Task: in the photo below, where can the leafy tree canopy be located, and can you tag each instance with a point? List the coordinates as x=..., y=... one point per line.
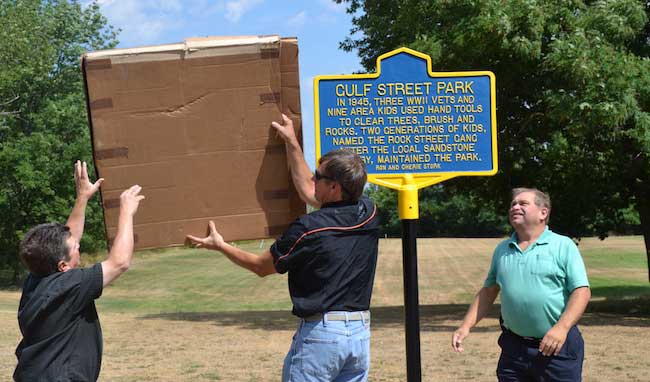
x=573, y=95
x=43, y=124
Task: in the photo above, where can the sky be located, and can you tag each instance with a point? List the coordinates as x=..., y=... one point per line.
x=320, y=26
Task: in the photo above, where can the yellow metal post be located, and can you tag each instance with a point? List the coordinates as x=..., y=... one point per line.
x=407, y=199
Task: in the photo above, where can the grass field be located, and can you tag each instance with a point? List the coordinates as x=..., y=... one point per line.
x=190, y=315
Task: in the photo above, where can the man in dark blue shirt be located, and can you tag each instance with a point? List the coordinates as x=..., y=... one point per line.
x=331, y=256
x=62, y=338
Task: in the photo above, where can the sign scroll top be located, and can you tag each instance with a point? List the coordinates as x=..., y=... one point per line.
x=409, y=124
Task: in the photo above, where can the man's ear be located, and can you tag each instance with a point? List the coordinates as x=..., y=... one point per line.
x=62, y=266
x=544, y=212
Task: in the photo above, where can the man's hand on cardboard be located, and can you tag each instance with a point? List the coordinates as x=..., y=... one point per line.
x=85, y=189
x=285, y=130
x=214, y=240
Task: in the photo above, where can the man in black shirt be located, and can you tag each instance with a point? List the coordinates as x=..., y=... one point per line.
x=62, y=338
x=331, y=256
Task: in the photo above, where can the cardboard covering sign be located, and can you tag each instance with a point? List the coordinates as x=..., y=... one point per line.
x=190, y=123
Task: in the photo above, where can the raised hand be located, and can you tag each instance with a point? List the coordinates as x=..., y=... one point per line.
x=130, y=200
x=85, y=189
x=285, y=130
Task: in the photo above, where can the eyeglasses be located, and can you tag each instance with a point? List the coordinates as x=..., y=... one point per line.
x=318, y=176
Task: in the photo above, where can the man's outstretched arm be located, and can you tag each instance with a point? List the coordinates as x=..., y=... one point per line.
x=300, y=172
x=85, y=190
x=120, y=255
x=261, y=265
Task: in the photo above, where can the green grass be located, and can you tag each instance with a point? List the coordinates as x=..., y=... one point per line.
x=616, y=273
x=189, y=280
x=614, y=258
x=618, y=288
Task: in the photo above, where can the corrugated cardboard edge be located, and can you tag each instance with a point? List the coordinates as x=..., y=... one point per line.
x=194, y=47
x=84, y=62
x=291, y=107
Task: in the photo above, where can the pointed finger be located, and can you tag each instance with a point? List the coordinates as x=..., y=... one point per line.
x=213, y=228
x=77, y=169
x=84, y=170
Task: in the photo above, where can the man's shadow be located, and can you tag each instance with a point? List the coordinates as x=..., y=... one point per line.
x=632, y=312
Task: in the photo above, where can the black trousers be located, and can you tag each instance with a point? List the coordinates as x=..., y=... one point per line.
x=521, y=359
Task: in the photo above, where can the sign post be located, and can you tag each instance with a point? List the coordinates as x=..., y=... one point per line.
x=413, y=128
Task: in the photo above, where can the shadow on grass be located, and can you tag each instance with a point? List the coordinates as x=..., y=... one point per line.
x=621, y=291
x=433, y=318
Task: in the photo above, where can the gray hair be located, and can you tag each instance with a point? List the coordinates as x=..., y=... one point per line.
x=542, y=199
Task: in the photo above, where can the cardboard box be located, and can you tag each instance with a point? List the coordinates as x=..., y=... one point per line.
x=191, y=123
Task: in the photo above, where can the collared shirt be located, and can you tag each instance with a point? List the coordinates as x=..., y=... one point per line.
x=536, y=283
x=331, y=256
x=62, y=339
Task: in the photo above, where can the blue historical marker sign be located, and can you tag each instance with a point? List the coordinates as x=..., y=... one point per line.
x=406, y=119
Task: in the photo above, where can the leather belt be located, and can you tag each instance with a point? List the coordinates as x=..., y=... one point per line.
x=529, y=339
x=340, y=316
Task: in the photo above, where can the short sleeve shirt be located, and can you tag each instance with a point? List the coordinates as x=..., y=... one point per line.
x=536, y=284
x=62, y=338
x=331, y=256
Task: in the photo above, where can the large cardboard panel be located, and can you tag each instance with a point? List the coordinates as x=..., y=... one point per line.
x=190, y=123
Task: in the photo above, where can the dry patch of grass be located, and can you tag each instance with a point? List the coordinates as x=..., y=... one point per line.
x=184, y=315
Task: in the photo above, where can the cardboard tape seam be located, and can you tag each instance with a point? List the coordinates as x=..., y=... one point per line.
x=115, y=152
x=276, y=194
x=102, y=103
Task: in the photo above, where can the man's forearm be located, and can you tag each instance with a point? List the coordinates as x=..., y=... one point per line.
x=121, y=253
x=300, y=173
x=260, y=265
x=481, y=306
x=122, y=250
x=77, y=218
x=575, y=307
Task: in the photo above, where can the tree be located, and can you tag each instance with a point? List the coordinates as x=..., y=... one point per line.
x=442, y=213
x=573, y=94
x=43, y=124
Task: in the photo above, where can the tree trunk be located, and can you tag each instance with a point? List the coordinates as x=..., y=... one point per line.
x=643, y=206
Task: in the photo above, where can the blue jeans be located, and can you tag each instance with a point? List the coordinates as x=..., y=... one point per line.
x=336, y=351
x=521, y=360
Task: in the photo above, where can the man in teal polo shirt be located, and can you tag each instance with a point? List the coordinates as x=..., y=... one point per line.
x=544, y=293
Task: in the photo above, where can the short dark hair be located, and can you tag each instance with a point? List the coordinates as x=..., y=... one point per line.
x=43, y=247
x=348, y=169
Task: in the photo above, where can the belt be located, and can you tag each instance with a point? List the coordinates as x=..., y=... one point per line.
x=508, y=331
x=529, y=339
x=340, y=316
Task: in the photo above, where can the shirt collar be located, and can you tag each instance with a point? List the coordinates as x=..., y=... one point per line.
x=340, y=203
x=541, y=240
